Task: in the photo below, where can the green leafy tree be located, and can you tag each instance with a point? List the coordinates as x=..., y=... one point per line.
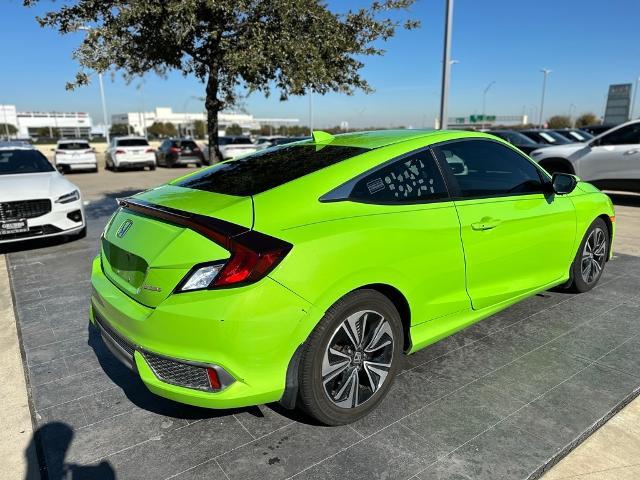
x=156, y=130
x=587, y=119
x=233, y=129
x=199, y=129
x=170, y=130
x=559, y=121
x=119, y=129
x=8, y=128
x=292, y=46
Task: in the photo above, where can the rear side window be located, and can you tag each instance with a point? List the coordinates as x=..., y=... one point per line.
x=132, y=142
x=412, y=179
x=267, y=169
x=484, y=168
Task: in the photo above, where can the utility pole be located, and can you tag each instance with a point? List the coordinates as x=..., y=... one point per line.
x=546, y=72
x=446, y=64
x=484, y=101
x=633, y=98
x=311, y=113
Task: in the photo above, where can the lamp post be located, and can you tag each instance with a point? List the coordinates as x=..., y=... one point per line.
x=311, y=113
x=572, y=107
x=102, y=97
x=446, y=64
x=484, y=101
x=546, y=73
x=633, y=98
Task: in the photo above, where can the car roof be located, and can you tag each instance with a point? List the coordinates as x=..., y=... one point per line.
x=16, y=145
x=382, y=138
x=73, y=140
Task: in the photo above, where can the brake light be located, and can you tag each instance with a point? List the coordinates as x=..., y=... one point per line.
x=174, y=150
x=61, y=152
x=120, y=152
x=247, y=266
x=214, y=381
x=253, y=254
x=149, y=150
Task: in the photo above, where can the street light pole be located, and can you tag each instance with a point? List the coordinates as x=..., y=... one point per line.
x=484, y=101
x=633, y=98
x=572, y=121
x=546, y=72
x=311, y=113
x=446, y=64
x=102, y=98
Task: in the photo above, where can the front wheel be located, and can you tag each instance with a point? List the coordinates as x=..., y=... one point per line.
x=351, y=358
x=590, y=260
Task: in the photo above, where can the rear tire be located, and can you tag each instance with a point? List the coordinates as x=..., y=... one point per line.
x=351, y=358
x=589, y=262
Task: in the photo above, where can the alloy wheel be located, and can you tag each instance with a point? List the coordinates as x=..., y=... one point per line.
x=357, y=359
x=594, y=255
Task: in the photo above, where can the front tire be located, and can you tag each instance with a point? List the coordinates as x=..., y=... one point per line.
x=351, y=358
x=589, y=262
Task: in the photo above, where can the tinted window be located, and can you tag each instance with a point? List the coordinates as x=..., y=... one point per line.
x=74, y=146
x=629, y=135
x=23, y=161
x=132, y=142
x=267, y=169
x=483, y=169
x=413, y=179
x=188, y=144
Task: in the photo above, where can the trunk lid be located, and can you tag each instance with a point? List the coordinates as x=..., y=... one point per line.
x=147, y=257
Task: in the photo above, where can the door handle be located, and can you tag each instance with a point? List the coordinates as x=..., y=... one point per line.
x=632, y=151
x=485, y=224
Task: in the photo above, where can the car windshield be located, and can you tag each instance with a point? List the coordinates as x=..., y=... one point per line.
x=188, y=144
x=235, y=141
x=553, y=137
x=267, y=169
x=579, y=135
x=73, y=146
x=132, y=142
x=516, y=138
x=23, y=161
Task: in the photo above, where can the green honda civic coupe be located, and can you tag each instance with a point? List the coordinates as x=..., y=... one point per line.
x=304, y=273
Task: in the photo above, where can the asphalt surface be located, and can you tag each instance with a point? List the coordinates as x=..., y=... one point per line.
x=505, y=398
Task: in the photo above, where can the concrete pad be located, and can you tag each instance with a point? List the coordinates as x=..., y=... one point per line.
x=17, y=450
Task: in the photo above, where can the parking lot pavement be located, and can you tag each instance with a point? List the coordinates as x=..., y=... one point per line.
x=504, y=398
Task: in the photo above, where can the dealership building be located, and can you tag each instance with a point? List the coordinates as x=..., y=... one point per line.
x=35, y=124
x=138, y=122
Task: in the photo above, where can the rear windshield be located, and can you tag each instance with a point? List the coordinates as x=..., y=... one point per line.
x=188, y=144
x=74, y=146
x=234, y=141
x=267, y=169
x=133, y=142
x=23, y=161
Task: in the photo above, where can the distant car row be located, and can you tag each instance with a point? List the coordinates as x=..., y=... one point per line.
x=610, y=160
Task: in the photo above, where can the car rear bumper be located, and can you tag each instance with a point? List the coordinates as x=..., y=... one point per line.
x=60, y=221
x=83, y=162
x=249, y=333
x=135, y=161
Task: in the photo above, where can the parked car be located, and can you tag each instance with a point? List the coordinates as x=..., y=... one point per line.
x=574, y=134
x=518, y=140
x=130, y=152
x=75, y=154
x=548, y=137
x=174, y=152
x=303, y=274
x=597, y=129
x=35, y=200
x=610, y=161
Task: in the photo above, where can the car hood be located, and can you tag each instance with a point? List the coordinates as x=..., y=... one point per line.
x=563, y=151
x=29, y=186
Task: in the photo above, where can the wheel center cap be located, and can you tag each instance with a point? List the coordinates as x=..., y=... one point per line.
x=357, y=358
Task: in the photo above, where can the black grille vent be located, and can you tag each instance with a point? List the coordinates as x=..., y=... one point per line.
x=178, y=373
x=24, y=209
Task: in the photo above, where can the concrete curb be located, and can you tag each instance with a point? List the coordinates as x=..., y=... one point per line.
x=17, y=448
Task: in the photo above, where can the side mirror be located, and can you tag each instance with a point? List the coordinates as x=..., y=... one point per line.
x=563, y=183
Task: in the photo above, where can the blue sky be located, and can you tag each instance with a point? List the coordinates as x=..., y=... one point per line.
x=587, y=43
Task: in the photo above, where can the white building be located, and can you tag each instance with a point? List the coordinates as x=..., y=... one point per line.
x=34, y=124
x=138, y=122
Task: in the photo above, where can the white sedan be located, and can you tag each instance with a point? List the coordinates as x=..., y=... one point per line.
x=35, y=200
x=610, y=161
x=74, y=155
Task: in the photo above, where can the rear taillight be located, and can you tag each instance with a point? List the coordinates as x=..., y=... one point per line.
x=120, y=152
x=247, y=266
x=174, y=150
x=195, y=149
x=60, y=152
x=253, y=254
x=149, y=150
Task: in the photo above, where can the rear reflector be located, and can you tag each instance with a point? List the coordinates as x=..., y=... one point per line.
x=214, y=381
